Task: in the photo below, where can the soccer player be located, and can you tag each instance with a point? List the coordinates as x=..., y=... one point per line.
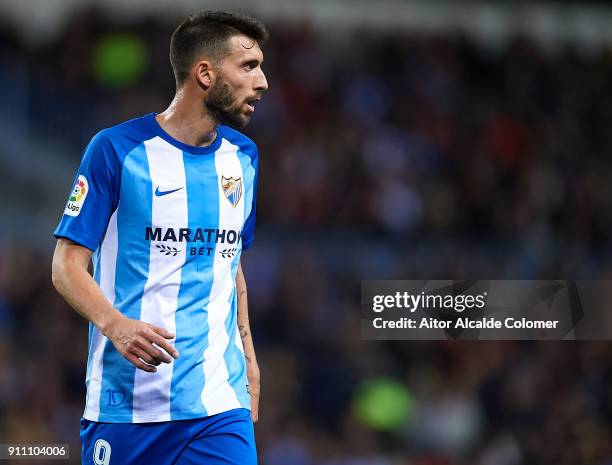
x=164, y=205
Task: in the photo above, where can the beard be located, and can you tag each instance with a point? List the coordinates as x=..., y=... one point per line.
x=222, y=105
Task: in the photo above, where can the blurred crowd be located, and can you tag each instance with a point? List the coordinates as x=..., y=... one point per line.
x=382, y=155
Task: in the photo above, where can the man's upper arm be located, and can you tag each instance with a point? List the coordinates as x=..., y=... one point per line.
x=69, y=252
x=94, y=197
x=239, y=274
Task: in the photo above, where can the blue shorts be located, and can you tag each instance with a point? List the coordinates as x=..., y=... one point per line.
x=226, y=438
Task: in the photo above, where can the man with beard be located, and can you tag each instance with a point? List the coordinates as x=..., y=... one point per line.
x=164, y=205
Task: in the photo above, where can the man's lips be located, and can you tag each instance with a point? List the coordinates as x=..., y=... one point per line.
x=251, y=103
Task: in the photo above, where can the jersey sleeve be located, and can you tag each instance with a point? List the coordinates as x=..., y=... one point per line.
x=248, y=231
x=94, y=196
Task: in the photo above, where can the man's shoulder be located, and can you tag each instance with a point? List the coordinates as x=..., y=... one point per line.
x=135, y=128
x=245, y=143
x=125, y=136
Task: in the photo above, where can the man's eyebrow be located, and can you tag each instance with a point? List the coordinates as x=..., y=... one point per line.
x=252, y=60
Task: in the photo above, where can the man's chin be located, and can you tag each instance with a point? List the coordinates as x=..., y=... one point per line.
x=235, y=119
x=238, y=121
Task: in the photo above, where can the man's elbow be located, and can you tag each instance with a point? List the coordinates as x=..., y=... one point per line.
x=69, y=259
x=57, y=271
x=59, y=267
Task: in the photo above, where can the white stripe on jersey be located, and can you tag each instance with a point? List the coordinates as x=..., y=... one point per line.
x=218, y=395
x=159, y=301
x=108, y=262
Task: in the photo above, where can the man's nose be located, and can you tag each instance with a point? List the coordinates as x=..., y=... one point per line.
x=261, y=83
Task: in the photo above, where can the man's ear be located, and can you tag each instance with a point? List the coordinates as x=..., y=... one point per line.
x=204, y=74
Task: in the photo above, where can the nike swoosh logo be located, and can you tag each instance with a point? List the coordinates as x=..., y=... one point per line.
x=160, y=193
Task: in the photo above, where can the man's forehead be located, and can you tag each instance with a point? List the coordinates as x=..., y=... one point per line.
x=242, y=46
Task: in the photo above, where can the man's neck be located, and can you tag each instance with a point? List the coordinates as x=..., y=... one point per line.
x=187, y=120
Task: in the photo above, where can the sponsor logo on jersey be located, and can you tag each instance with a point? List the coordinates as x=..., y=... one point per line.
x=77, y=197
x=194, y=235
x=232, y=189
x=209, y=235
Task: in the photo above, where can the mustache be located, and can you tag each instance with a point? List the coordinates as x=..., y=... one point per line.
x=254, y=97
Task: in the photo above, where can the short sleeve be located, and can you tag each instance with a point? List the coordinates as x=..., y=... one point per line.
x=94, y=195
x=248, y=231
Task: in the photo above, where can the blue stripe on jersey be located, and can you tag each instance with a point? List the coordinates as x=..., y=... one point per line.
x=248, y=173
x=131, y=273
x=95, y=258
x=247, y=152
x=89, y=357
x=234, y=358
x=197, y=273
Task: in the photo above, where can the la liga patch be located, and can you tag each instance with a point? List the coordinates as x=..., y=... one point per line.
x=77, y=197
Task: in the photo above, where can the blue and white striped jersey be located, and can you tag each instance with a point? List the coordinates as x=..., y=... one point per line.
x=167, y=223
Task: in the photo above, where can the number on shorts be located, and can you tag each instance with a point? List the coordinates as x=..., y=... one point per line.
x=102, y=452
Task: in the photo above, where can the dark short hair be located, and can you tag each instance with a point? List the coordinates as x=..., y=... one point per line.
x=206, y=34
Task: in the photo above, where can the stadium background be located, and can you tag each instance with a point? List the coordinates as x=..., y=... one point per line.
x=413, y=140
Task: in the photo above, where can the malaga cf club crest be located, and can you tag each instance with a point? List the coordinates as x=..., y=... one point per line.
x=232, y=189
